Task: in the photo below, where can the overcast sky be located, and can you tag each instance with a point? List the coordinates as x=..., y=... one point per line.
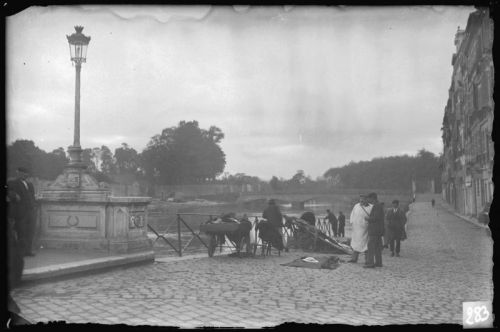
x=292, y=88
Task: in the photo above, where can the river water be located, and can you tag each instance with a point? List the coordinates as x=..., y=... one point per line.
x=194, y=213
x=318, y=208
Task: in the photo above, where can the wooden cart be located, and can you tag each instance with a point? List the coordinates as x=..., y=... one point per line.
x=237, y=233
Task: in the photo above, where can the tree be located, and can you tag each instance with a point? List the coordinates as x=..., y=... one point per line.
x=214, y=134
x=394, y=172
x=126, y=159
x=22, y=153
x=275, y=183
x=96, y=157
x=299, y=178
x=107, y=162
x=427, y=168
x=43, y=165
x=55, y=163
x=88, y=160
x=184, y=154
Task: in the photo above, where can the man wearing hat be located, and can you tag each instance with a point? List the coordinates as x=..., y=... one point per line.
x=375, y=232
x=24, y=207
x=396, y=220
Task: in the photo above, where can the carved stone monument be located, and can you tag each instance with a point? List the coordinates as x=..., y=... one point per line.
x=79, y=213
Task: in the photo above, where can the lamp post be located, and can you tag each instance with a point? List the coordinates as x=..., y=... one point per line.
x=78, y=212
x=78, y=44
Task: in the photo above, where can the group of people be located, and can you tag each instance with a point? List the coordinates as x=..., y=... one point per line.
x=370, y=223
x=274, y=217
x=337, y=224
x=373, y=227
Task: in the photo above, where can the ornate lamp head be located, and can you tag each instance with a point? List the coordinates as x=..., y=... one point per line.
x=78, y=44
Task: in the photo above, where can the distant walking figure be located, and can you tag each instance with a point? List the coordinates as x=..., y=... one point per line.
x=433, y=202
x=341, y=224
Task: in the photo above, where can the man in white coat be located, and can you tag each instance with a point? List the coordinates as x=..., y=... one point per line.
x=359, y=236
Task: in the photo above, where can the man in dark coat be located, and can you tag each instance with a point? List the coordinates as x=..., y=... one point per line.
x=273, y=214
x=396, y=220
x=24, y=208
x=15, y=263
x=375, y=232
x=332, y=220
x=274, y=219
x=341, y=224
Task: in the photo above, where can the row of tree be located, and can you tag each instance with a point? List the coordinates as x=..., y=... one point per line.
x=181, y=154
x=392, y=173
x=395, y=172
x=187, y=154
x=43, y=165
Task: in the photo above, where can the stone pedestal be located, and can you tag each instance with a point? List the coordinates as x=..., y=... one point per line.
x=126, y=229
x=78, y=213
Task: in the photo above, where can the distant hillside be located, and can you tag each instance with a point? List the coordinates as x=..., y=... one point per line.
x=389, y=172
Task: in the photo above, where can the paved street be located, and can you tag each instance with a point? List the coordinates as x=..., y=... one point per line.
x=444, y=262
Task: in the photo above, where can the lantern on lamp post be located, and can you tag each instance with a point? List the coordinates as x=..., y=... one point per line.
x=78, y=44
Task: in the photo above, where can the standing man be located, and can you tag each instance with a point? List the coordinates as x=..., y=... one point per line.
x=359, y=240
x=332, y=220
x=341, y=224
x=14, y=262
x=24, y=208
x=375, y=232
x=396, y=220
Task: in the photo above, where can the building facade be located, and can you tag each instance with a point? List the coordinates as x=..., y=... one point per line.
x=468, y=118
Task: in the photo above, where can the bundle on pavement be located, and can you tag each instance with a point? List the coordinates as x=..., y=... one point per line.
x=309, y=236
x=329, y=262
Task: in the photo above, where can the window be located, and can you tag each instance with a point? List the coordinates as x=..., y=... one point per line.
x=484, y=91
x=482, y=192
x=487, y=145
x=475, y=102
x=479, y=141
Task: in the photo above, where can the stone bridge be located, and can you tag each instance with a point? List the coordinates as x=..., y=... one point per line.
x=298, y=199
x=347, y=196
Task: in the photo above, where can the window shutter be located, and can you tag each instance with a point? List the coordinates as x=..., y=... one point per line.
x=484, y=91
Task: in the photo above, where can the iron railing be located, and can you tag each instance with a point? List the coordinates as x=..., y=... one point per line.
x=180, y=221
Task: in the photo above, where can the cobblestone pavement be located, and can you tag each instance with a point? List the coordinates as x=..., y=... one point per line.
x=444, y=262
